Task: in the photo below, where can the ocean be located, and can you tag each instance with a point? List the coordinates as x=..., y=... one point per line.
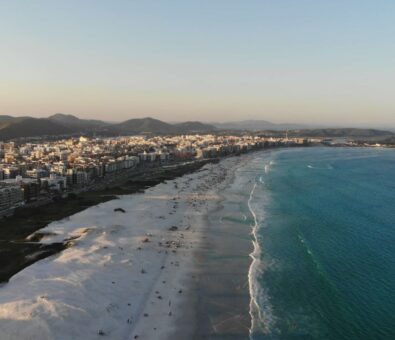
x=323, y=222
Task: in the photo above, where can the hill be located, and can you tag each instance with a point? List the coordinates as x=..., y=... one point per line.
x=31, y=127
x=63, y=124
x=143, y=125
x=257, y=125
x=76, y=123
x=6, y=118
x=340, y=132
x=196, y=127
x=155, y=126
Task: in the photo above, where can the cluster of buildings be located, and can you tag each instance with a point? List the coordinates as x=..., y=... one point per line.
x=30, y=172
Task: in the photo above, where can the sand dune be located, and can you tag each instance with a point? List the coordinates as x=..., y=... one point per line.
x=125, y=274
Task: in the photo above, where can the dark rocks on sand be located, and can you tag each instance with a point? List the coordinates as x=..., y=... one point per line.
x=173, y=228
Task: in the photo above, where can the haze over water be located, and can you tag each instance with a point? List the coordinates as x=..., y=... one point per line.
x=326, y=235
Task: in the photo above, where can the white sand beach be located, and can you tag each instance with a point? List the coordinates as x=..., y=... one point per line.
x=126, y=273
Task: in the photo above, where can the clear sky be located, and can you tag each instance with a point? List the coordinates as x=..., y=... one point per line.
x=305, y=61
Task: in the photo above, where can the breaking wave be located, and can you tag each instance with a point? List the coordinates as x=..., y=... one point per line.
x=327, y=167
x=260, y=310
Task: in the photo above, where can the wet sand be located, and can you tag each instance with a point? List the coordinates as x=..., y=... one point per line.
x=170, y=263
x=127, y=270
x=219, y=299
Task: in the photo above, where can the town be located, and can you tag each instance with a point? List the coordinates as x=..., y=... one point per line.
x=37, y=173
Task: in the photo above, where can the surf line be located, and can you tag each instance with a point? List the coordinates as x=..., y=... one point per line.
x=254, y=307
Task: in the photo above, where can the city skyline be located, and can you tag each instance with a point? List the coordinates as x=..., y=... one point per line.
x=308, y=62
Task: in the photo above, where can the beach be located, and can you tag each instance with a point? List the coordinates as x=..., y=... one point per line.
x=131, y=269
x=20, y=236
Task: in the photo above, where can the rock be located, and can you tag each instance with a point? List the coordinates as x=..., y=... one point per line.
x=173, y=228
x=146, y=240
x=120, y=210
x=101, y=332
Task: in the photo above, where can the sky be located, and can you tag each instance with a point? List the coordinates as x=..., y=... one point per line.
x=299, y=61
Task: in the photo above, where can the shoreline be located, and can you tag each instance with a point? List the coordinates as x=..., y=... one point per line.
x=125, y=274
x=254, y=307
x=20, y=234
x=167, y=267
x=221, y=291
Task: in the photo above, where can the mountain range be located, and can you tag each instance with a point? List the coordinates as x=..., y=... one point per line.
x=61, y=124
x=258, y=125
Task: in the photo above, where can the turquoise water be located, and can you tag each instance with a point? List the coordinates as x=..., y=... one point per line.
x=325, y=256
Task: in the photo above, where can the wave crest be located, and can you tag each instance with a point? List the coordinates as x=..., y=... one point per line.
x=260, y=310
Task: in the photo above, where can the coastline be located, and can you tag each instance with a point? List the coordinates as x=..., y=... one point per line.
x=20, y=234
x=125, y=275
x=219, y=292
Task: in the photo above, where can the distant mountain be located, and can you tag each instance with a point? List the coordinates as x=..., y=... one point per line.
x=297, y=130
x=62, y=124
x=197, y=127
x=143, y=125
x=6, y=118
x=257, y=125
x=58, y=124
x=155, y=126
x=387, y=140
x=30, y=127
x=76, y=123
x=341, y=132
